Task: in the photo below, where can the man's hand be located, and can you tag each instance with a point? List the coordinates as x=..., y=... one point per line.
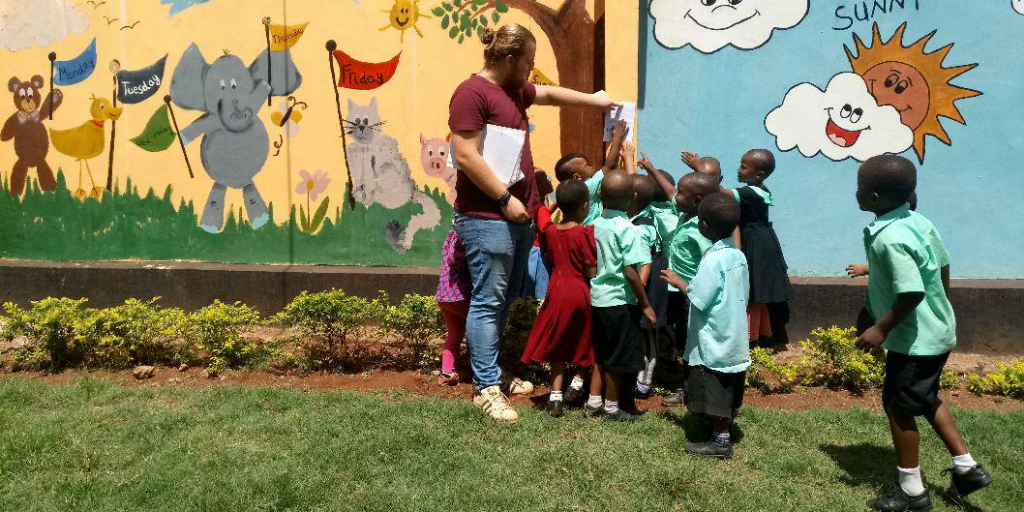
x=649, y=315
x=857, y=270
x=514, y=211
x=872, y=338
x=690, y=159
x=673, y=279
x=601, y=100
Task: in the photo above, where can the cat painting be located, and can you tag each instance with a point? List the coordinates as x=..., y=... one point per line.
x=380, y=174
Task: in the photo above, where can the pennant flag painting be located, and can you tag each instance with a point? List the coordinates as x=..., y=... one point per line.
x=158, y=134
x=138, y=86
x=364, y=76
x=283, y=37
x=71, y=72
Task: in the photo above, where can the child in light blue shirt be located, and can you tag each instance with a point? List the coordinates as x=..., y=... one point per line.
x=717, y=350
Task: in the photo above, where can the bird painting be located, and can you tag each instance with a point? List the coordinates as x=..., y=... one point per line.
x=87, y=141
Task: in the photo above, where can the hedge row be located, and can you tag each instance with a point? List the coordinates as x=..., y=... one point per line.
x=327, y=331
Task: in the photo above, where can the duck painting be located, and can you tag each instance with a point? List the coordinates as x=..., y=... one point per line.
x=87, y=141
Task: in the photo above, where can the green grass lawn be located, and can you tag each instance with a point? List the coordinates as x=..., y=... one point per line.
x=93, y=445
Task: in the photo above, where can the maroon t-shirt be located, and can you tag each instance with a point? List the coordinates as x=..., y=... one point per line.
x=476, y=103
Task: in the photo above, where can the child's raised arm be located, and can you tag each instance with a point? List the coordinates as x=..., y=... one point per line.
x=618, y=137
x=666, y=186
x=690, y=159
x=628, y=155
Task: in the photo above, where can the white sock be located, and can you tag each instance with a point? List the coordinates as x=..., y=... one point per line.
x=963, y=463
x=577, y=383
x=910, y=481
x=595, y=401
x=556, y=396
x=641, y=387
x=611, y=406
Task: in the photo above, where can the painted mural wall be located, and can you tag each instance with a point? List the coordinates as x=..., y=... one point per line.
x=826, y=84
x=264, y=131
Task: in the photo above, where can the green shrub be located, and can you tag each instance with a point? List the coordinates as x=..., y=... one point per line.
x=416, y=322
x=217, y=330
x=31, y=358
x=977, y=384
x=328, y=320
x=769, y=376
x=52, y=326
x=131, y=334
x=1007, y=380
x=521, y=317
x=949, y=380
x=835, y=361
x=274, y=357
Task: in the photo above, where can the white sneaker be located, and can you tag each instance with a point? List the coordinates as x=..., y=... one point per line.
x=517, y=387
x=493, y=402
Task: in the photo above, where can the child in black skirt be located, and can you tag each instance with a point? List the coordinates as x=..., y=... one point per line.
x=770, y=289
x=717, y=351
x=907, y=312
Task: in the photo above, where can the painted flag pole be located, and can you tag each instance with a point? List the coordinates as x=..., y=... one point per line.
x=53, y=57
x=270, y=65
x=115, y=66
x=331, y=46
x=170, y=109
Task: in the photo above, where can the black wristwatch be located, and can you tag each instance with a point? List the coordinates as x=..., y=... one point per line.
x=504, y=198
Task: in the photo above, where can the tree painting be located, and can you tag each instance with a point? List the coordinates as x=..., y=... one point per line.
x=566, y=28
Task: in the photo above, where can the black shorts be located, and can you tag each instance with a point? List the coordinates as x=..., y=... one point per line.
x=679, y=316
x=912, y=383
x=617, y=339
x=714, y=393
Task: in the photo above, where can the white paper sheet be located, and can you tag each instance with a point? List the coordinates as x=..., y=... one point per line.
x=627, y=111
x=502, y=149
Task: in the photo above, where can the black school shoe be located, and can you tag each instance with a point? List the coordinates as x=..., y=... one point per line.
x=899, y=501
x=592, y=412
x=573, y=397
x=962, y=485
x=620, y=414
x=554, y=408
x=710, y=449
x=643, y=395
x=673, y=400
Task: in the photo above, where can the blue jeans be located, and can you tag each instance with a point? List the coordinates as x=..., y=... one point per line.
x=538, y=274
x=496, y=253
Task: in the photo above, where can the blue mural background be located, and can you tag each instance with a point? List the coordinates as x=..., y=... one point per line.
x=715, y=104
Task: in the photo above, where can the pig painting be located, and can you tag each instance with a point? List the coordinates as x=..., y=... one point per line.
x=434, y=156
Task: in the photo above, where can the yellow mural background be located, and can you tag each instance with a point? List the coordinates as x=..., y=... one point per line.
x=415, y=101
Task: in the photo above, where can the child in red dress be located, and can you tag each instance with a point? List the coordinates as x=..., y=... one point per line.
x=561, y=334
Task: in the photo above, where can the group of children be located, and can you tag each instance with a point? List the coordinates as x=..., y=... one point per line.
x=635, y=253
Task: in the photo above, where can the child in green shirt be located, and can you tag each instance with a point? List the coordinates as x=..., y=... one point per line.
x=686, y=246
x=618, y=298
x=908, y=313
x=577, y=166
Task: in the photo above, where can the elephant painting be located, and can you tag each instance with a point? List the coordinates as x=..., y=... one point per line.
x=235, y=141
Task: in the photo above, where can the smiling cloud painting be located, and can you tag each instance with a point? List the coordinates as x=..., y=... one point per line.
x=24, y=23
x=843, y=121
x=710, y=25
